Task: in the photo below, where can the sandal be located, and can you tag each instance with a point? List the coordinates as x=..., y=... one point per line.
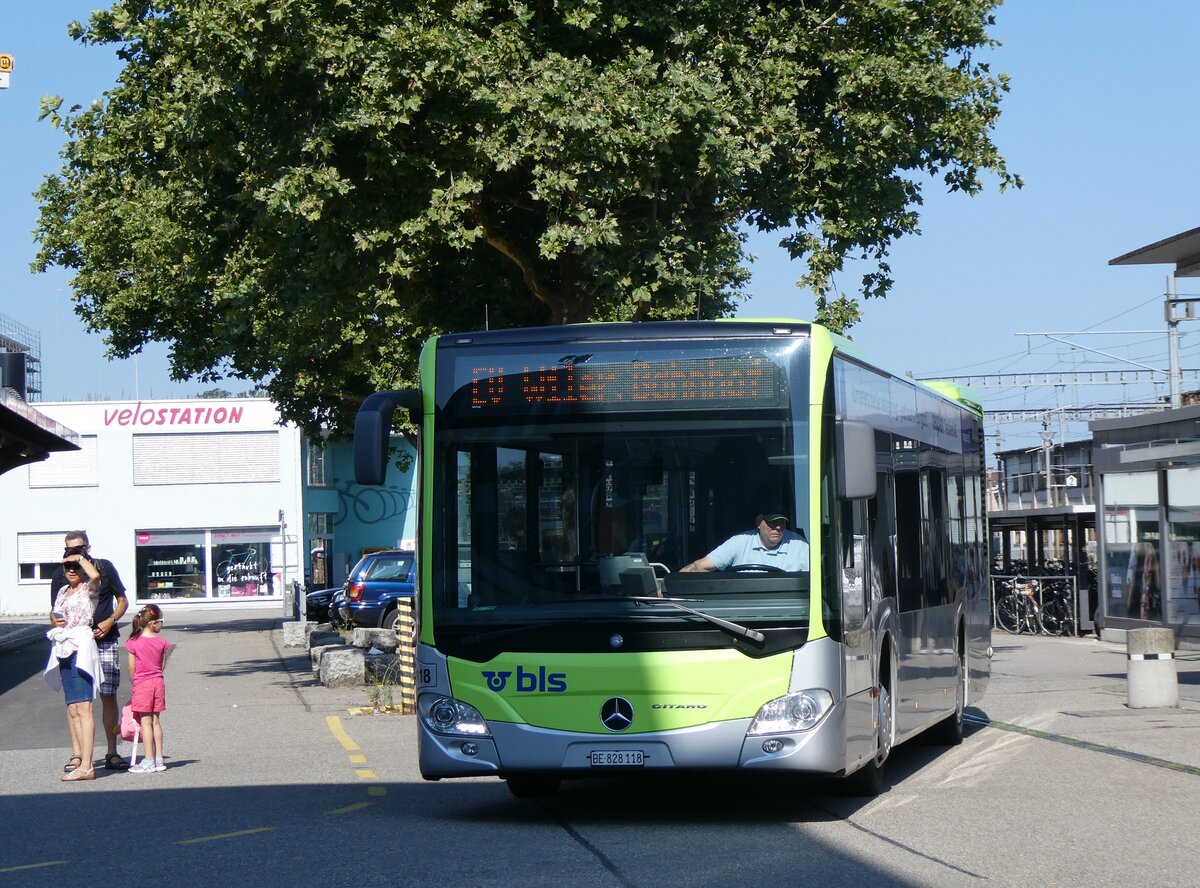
x=79, y=774
x=114, y=762
x=76, y=761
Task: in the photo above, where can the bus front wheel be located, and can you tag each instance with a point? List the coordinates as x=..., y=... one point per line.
x=868, y=780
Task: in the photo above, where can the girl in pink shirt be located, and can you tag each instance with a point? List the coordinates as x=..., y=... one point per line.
x=147, y=650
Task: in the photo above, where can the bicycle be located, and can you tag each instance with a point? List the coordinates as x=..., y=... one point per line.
x=1017, y=608
x=1058, y=608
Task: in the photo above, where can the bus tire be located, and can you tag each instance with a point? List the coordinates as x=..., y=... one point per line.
x=533, y=786
x=868, y=780
x=949, y=731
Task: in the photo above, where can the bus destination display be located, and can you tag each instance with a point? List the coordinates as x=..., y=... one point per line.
x=733, y=381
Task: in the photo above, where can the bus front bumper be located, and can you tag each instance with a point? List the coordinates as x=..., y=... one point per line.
x=516, y=748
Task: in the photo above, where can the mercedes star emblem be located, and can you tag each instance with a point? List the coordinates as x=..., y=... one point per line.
x=616, y=714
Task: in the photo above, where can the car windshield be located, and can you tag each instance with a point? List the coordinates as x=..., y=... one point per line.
x=581, y=513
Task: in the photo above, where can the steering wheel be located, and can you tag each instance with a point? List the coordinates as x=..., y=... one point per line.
x=755, y=568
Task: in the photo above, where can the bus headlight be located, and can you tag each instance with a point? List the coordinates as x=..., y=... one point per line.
x=794, y=712
x=445, y=715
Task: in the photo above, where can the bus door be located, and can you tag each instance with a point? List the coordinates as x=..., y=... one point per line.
x=858, y=636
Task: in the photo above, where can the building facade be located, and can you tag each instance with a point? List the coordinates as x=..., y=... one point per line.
x=209, y=502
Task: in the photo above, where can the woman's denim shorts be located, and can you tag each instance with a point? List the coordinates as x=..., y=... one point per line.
x=77, y=686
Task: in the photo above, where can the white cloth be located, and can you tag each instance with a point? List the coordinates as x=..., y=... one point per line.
x=77, y=641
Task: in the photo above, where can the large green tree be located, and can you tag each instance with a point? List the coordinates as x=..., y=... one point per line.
x=301, y=191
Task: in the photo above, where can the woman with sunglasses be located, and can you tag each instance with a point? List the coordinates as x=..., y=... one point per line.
x=74, y=663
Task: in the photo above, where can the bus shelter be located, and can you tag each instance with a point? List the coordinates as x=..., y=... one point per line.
x=1042, y=520
x=1148, y=471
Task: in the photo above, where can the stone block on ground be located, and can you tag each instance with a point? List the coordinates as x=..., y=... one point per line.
x=365, y=638
x=380, y=667
x=317, y=638
x=316, y=651
x=341, y=666
x=296, y=632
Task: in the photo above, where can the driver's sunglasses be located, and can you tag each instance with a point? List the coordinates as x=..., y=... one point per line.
x=777, y=525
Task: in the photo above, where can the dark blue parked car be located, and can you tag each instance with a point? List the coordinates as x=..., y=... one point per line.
x=378, y=581
x=317, y=605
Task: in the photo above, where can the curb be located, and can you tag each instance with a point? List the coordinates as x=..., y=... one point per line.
x=19, y=636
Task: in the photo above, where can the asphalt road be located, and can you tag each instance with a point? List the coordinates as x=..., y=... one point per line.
x=272, y=783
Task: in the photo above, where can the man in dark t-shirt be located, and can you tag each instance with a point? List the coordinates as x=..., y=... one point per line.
x=110, y=607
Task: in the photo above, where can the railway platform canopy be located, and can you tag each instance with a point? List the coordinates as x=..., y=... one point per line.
x=27, y=436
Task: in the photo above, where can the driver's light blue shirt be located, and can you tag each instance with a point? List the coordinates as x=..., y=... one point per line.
x=747, y=548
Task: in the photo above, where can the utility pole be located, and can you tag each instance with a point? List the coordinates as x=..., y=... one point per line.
x=1047, y=451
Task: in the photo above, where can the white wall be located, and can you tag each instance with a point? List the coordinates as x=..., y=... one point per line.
x=228, y=436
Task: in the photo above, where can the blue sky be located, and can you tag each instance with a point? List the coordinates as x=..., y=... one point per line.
x=1097, y=123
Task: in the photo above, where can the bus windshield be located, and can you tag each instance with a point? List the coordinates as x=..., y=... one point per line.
x=570, y=489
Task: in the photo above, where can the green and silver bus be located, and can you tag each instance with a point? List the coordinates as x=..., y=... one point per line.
x=568, y=474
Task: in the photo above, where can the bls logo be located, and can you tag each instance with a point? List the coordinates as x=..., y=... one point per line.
x=528, y=681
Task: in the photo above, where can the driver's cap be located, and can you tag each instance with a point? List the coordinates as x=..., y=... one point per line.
x=771, y=518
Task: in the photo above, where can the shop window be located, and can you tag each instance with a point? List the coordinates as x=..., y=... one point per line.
x=242, y=564
x=205, y=564
x=171, y=565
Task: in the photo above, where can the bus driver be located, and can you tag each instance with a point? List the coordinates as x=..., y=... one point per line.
x=771, y=544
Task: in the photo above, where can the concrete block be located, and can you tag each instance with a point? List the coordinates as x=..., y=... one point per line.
x=316, y=638
x=1153, y=678
x=316, y=651
x=380, y=666
x=296, y=632
x=380, y=638
x=342, y=666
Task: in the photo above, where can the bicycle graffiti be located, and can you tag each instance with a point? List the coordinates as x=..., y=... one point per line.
x=241, y=573
x=371, y=505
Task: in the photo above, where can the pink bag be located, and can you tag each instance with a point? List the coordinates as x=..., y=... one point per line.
x=130, y=726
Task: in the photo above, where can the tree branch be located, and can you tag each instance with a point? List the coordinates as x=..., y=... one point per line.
x=519, y=258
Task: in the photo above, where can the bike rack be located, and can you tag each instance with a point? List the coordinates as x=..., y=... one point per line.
x=1070, y=581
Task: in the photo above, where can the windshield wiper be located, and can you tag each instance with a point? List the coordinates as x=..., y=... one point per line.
x=732, y=628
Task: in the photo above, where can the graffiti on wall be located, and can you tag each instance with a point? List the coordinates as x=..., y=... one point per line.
x=371, y=505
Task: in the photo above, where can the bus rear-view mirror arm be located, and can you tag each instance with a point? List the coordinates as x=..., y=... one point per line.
x=856, y=459
x=373, y=432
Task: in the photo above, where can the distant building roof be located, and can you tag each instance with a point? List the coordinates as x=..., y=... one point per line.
x=1180, y=250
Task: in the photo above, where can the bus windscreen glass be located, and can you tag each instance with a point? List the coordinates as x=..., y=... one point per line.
x=577, y=486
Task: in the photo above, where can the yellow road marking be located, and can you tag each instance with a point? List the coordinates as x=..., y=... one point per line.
x=335, y=727
x=232, y=835
x=358, y=759
x=357, y=806
x=29, y=866
x=376, y=791
x=365, y=773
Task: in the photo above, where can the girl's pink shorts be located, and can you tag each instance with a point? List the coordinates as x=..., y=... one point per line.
x=149, y=695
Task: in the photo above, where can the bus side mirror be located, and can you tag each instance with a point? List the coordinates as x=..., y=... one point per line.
x=373, y=432
x=855, y=459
